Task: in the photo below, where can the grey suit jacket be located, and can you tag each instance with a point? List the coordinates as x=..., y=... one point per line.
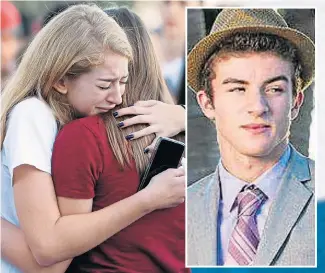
x=288, y=238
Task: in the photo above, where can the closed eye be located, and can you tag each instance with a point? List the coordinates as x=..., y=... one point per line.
x=104, y=88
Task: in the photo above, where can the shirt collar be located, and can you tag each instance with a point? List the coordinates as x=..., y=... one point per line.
x=267, y=182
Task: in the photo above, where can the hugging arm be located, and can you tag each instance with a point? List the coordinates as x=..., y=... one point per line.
x=75, y=183
x=53, y=237
x=16, y=251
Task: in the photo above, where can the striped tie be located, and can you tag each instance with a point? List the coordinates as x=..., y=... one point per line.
x=244, y=239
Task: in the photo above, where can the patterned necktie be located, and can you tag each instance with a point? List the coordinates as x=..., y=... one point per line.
x=244, y=239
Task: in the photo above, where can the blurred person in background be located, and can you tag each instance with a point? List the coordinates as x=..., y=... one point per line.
x=10, y=43
x=172, y=41
x=170, y=45
x=33, y=110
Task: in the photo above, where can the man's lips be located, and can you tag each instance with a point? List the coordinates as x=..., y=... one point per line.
x=256, y=128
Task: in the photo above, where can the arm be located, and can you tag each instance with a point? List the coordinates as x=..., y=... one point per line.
x=16, y=251
x=53, y=238
x=164, y=119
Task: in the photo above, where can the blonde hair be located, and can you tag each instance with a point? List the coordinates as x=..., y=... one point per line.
x=69, y=45
x=145, y=83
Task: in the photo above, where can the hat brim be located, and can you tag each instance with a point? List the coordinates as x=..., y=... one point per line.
x=200, y=53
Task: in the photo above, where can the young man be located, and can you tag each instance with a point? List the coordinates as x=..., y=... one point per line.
x=258, y=207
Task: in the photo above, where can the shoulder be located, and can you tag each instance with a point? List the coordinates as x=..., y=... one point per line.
x=30, y=134
x=92, y=125
x=303, y=168
x=78, y=153
x=311, y=165
x=31, y=118
x=33, y=106
x=88, y=132
x=200, y=187
x=34, y=113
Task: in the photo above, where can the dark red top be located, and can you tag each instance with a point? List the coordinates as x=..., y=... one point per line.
x=84, y=167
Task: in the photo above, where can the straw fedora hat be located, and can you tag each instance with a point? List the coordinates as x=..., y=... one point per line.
x=230, y=21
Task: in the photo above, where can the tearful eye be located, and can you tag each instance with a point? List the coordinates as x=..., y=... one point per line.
x=104, y=88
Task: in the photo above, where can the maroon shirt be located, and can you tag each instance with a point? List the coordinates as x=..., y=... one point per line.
x=84, y=167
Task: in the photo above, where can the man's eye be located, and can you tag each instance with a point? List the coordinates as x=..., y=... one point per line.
x=237, y=89
x=274, y=90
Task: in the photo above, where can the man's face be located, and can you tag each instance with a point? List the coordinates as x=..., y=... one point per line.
x=252, y=102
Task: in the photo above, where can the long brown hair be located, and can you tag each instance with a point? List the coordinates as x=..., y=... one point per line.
x=145, y=83
x=70, y=44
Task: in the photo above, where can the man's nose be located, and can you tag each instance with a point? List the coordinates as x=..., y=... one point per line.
x=257, y=103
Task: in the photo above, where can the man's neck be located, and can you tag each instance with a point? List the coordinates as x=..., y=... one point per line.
x=249, y=168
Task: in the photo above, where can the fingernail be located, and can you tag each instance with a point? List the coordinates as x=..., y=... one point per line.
x=120, y=124
x=146, y=150
x=115, y=114
x=129, y=137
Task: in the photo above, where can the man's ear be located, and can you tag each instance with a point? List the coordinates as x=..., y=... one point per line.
x=61, y=86
x=297, y=104
x=206, y=104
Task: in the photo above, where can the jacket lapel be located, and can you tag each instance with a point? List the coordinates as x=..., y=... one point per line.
x=286, y=209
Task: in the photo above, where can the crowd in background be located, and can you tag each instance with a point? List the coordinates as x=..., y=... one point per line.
x=21, y=20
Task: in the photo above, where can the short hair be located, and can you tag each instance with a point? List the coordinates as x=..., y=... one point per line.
x=248, y=42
